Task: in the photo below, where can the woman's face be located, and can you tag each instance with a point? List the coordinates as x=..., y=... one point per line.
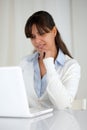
x=43, y=41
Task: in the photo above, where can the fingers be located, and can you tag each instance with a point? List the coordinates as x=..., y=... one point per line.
x=45, y=54
x=42, y=55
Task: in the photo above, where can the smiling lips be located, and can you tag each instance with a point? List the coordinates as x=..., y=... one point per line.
x=41, y=46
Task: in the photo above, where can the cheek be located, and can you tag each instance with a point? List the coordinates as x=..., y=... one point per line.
x=51, y=39
x=33, y=43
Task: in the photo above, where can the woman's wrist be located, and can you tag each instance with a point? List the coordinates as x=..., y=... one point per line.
x=49, y=64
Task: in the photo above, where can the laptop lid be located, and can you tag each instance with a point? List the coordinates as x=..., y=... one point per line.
x=13, y=99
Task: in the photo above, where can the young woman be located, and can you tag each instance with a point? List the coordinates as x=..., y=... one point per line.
x=51, y=74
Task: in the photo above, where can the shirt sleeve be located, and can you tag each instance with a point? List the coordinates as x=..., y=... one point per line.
x=62, y=91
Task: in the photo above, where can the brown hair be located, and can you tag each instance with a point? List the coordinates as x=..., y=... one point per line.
x=44, y=22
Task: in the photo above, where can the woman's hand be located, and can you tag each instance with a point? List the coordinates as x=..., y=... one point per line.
x=48, y=53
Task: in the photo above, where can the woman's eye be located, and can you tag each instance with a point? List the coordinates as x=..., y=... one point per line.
x=42, y=33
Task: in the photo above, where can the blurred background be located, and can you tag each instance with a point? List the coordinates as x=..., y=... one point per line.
x=70, y=17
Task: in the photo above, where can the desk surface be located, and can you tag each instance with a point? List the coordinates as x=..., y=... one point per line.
x=58, y=120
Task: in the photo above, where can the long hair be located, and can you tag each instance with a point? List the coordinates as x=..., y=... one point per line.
x=44, y=22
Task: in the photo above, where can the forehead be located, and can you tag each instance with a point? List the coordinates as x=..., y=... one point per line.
x=34, y=27
x=39, y=29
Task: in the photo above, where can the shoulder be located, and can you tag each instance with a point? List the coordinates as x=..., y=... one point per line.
x=72, y=64
x=70, y=61
x=28, y=59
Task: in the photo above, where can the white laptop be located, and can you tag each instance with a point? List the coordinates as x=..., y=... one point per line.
x=13, y=97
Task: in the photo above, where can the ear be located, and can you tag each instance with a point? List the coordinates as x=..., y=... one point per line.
x=54, y=30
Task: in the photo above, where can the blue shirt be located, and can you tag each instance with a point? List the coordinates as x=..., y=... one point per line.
x=40, y=84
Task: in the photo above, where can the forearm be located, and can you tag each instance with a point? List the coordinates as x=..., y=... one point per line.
x=57, y=89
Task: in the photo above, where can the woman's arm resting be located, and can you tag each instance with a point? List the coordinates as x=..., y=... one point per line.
x=62, y=91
